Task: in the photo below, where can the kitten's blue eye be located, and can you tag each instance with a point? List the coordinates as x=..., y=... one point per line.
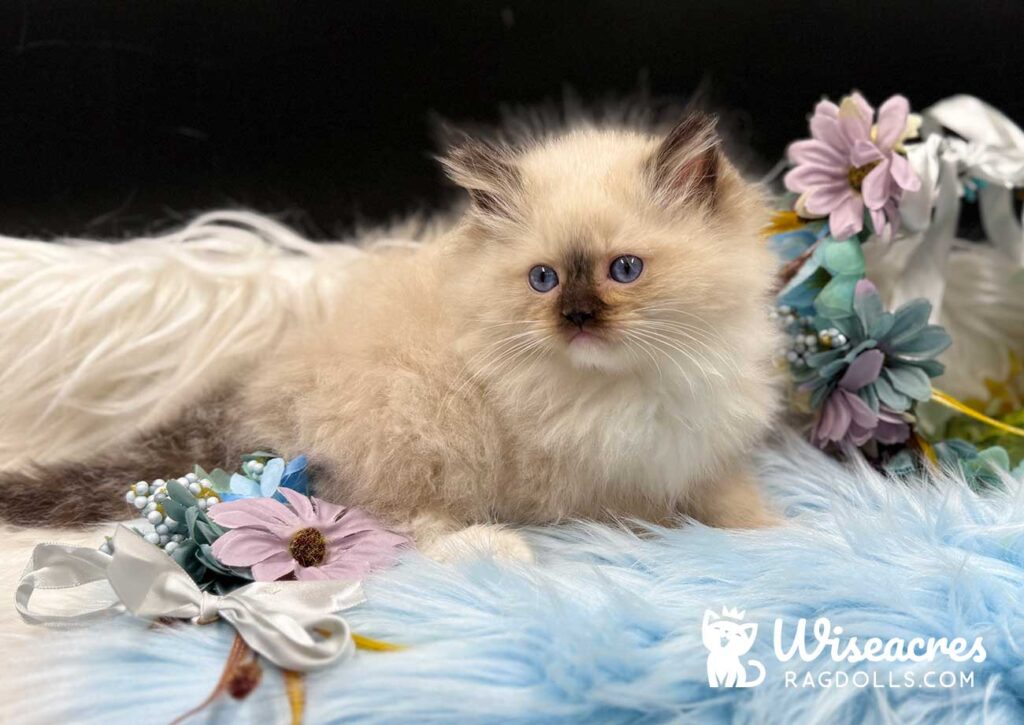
x=543, y=278
x=626, y=268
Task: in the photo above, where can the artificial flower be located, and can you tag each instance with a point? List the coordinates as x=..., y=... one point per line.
x=194, y=552
x=909, y=344
x=847, y=418
x=791, y=245
x=259, y=479
x=308, y=538
x=982, y=468
x=825, y=282
x=782, y=221
x=849, y=164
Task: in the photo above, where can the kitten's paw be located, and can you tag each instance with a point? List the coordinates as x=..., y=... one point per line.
x=480, y=540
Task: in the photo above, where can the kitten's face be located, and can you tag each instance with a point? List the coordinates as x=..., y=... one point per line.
x=612, y=251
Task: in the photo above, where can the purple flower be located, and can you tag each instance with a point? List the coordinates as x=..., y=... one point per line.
x=309, y=538
x=848, y=165
x=846, y=418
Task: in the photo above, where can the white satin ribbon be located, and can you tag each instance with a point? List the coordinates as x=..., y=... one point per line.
x=991, y=148
x=293, y=624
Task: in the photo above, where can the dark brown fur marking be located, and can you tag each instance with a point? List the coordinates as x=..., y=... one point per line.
x=488, y=172
x=93, y=491
x=675, y=165
x=579, y=290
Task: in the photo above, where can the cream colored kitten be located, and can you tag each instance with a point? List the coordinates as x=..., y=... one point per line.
x=589, y=341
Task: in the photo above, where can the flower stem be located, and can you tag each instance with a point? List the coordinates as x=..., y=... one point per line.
x=295, y=687
x=236, y=657
x=950, y=402
x=375, y=645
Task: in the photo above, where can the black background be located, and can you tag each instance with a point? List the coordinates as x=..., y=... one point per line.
x=119, y=117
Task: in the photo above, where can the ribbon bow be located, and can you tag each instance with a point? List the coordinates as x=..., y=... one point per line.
x=990, y=148
x=290, y=623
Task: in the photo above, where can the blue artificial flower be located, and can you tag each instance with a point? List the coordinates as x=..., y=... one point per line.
x=790, y=245
x=909, y=343
x=276, y=474
x=825, y=282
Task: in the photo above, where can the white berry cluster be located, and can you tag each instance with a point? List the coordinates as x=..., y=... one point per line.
x=803, y=340
x=253, y=469
x=147, y=498
x=832, y=338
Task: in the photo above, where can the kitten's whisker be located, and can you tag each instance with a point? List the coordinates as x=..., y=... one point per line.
x=662, y=334
x=703, y=363
x=491, y=360
x=702, y=324
x=513, y=322
x=666, y=326
x=658, y=344
x=644, y=347
x=712, y=347
x=522, y=357
x=705, y=334
x=497, y=350
x=502, y=355
x=699, y=324
x=629, y=348
x=537, y=351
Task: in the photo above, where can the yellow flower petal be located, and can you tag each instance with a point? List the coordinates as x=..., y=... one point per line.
x=783, y=221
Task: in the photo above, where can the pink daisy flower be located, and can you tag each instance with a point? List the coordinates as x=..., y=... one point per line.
x=849, y=165
x=309, y=538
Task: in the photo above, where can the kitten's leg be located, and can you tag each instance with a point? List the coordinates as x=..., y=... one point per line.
x=443, y=539
x=733, y=502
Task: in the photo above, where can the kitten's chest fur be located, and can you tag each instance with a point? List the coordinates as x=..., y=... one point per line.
x=630, y=448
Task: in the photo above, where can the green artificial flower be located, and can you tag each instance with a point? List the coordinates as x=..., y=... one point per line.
x=826, y=281
x=983, y=435
x=980, y=468
x=909, y=343
x=194, y=554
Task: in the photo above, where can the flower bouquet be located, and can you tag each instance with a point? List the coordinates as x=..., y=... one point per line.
x=864, y=373
x=250, y=548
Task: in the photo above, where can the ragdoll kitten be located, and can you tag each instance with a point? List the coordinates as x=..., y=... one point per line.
x=590, y=340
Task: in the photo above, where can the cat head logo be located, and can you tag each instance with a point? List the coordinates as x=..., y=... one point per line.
x=727, y=638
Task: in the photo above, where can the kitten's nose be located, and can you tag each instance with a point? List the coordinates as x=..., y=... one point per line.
x=578, y=317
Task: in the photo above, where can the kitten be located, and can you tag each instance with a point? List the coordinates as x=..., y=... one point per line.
x=589, y=340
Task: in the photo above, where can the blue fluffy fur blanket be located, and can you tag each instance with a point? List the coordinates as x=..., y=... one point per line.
x=607, y=626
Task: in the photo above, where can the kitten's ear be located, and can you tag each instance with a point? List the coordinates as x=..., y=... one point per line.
x=488, y=172
x=709, y=617
x=750, y=629
x=685, y=168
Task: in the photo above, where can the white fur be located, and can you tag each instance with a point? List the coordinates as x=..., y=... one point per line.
x=489, y=540
x=101, y=339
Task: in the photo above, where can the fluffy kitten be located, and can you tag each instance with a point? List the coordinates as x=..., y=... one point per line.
x=588, y=341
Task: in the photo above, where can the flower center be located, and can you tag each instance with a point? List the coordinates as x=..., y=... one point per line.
x=308, y=547
x=857, y=174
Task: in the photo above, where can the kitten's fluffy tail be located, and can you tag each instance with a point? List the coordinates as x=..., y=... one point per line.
x=91, y=491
